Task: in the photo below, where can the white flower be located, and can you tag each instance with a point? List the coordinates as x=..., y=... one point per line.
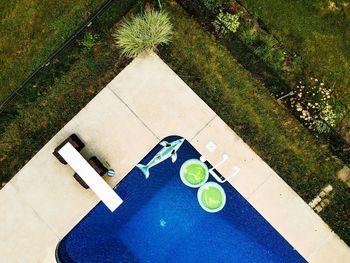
x=299, y=107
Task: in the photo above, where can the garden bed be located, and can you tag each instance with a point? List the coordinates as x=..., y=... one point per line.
x=249, y=109
x=316, y=30
x=281, y=72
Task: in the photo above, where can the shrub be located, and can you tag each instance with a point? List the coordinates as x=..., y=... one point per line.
x=213, y=5
x=225, y=23
x=249, y=36
x=232, y=8
x=89, y=40
x=271, y=54
x=313, y=103
x=143, y=33
x=265, y=47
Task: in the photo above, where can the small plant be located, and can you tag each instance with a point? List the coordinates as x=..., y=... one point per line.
x=313, y=103
x=89, y=41
x=232, y=8
x=213, y=5
x=143, y=33
x=226, y=22
x=265, y=47
x=249, y=36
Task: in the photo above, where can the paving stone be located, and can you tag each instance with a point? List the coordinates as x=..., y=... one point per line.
x=24, y=236
x=253, y=170
x=290, y=215
x=111, y=132
x=161, y=99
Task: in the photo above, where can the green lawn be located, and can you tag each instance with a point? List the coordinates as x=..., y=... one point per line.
x=31, y=30
x=214, y=75
x=317, y=31
x=53, y=98
x=248, y=108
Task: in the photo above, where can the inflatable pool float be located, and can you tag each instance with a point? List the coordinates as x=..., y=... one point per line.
x=211, y=197
x=194, y=173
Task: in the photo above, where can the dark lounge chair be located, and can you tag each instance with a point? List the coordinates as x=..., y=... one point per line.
x=97, y=165
x=75, y=141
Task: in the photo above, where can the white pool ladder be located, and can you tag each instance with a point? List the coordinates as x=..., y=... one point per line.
x=212, y=171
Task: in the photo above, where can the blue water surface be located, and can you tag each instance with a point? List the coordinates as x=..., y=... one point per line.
x=161, y=220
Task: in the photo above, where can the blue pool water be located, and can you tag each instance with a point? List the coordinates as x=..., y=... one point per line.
x=161, y=220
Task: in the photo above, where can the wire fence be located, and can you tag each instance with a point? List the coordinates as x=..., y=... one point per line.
x=88, y=23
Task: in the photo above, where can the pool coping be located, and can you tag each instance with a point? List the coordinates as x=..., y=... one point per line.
x=142, y=98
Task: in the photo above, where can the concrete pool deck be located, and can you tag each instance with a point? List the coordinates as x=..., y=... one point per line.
x=146, y=102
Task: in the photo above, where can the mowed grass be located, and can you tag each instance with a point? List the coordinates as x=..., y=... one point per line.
x=317, y=30
x=30, y=30
x=64, y=90
x=247, y=107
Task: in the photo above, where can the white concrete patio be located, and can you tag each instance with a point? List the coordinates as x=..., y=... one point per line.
x=144, y=103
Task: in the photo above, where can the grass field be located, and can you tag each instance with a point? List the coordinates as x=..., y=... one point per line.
x=59, y=93
x=210, y=70
x=260, y=53
x=317, y=30
x=247, y=107
x=31, y=30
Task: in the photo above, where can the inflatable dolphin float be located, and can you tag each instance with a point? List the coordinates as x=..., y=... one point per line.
x=169, y=150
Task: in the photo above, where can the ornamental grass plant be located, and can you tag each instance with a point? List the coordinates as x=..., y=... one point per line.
x=143, y=33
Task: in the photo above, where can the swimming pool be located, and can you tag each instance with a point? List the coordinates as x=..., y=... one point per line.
x=161, y=220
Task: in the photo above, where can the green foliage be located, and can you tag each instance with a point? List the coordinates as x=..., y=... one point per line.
x=226, y=22
x=248, y=108
x=264, y=46
x=313, y=104
x=29, y=24
x=143, y=33
x=58, y=93
x=249, y=36
x=89, y=41
x=270, y=53
x=316, y=32
x=213, y=5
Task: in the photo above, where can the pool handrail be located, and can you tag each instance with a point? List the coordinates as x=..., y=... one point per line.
x=219, y=179
x=215, y=175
